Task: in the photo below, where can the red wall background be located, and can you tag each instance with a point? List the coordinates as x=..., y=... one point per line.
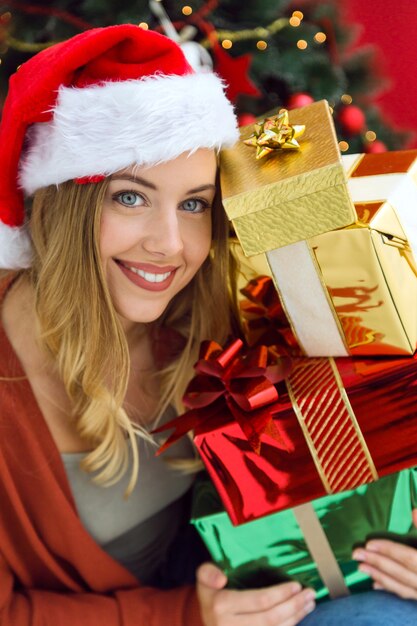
x=392, y=26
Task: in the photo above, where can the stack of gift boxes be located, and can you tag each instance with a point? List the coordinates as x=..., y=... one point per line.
x=309, y=434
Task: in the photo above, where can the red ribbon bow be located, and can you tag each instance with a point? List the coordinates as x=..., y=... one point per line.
x=231, y=384
x=264, y=319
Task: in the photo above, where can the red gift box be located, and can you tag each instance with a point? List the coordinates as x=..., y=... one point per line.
x=335, y=424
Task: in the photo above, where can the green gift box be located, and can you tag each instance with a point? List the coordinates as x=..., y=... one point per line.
x=274, y=549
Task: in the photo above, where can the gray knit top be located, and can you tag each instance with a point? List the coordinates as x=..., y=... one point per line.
x=137, y=531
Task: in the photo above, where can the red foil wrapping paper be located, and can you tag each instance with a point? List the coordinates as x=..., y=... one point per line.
x=382, y=395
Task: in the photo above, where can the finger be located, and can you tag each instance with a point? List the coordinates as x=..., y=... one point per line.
x=291, y=611
x=397, y=551
x=414, y=516
x=209, y=575
x=295, y=619
x=288, y=612
x=257, y=600
x=383, y=580
x=403, y=572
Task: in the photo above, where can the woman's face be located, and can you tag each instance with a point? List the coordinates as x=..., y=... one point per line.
x=156, y=232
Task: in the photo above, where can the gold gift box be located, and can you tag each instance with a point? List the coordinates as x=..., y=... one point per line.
x=366, y=271
x=288, y=195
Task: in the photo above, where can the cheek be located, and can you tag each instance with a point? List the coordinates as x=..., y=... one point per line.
x=199, y=243
x=115, y=235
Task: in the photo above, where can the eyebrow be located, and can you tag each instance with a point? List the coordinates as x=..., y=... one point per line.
x=147, y=183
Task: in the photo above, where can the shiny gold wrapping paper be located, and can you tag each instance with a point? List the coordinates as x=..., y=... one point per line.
x=372, y=285
x=287, y=196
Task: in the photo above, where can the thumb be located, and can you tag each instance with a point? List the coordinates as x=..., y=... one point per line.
x=211, y=576
x=414, y=516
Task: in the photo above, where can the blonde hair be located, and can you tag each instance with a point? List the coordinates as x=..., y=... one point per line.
x=81, y=331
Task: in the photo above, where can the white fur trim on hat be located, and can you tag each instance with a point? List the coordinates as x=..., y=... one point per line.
x=15, y=247
x=104, y=128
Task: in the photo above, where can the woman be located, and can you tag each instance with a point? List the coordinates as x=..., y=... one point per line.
x=124, y=272
x=119, y=270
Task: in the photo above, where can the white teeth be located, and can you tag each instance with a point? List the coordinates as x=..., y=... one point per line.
x=151, y=278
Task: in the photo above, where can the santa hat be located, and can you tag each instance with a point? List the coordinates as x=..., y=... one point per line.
x=90, y=106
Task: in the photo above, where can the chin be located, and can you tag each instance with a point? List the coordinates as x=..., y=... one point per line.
x=140, y=314
x=140, y=317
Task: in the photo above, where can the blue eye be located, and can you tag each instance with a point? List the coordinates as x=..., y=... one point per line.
x=130, y=198
x=193, y=205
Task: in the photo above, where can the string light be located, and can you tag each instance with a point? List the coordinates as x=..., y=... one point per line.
x=320, y=37
x=187, y=10
x=143, y=25
x=343, y=145
x=298, y=14
x=261, y=45
x=346, y=99
x=258, y=33
x=370, y=135
x=27, y=46
x=294, y=21
x=302, y=44
x=227, y=44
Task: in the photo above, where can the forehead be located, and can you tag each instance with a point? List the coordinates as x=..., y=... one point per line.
x=200, y=166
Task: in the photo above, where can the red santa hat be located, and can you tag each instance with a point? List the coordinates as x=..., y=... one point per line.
x=90, y=106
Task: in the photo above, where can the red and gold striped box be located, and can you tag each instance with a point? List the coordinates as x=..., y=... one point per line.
x=342, y=423
x=280, y=434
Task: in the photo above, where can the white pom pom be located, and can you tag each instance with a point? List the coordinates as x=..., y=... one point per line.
x=15, y=247
x=197, y=56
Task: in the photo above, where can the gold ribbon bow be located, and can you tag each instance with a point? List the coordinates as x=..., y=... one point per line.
x=275, y=133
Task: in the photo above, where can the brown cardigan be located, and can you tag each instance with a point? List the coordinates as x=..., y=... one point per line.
x=52, y=572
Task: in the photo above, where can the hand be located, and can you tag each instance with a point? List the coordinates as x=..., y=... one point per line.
x=392, y=565
x=281, y=605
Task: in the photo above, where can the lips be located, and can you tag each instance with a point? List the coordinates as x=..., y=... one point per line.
x=147, y=276
x=148, y=267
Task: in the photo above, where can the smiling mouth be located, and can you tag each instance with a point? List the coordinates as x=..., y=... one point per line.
x=153, y=279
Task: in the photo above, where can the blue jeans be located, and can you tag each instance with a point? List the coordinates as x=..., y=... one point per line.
x=372, y=608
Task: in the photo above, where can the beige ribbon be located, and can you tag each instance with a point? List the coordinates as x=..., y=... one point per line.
x=320, y=550
x=338, y=449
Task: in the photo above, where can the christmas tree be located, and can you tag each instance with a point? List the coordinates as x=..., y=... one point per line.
x=271, y=53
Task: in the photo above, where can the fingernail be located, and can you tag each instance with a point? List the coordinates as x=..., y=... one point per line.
x=377, y=586
x=364, y=568
x=373, y=547
x=295, y=587
x=309, y=595
x=215, y=577
x=359, y=555
x=310, y=607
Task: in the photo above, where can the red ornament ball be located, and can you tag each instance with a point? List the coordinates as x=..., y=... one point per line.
x=352, y=119
x=375, y=147
x=244, y=119
x=298, y=100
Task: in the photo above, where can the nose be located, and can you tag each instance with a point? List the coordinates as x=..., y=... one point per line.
x=164, y=236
